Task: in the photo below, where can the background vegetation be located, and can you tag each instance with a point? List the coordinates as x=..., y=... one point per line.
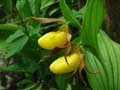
x=20, y=55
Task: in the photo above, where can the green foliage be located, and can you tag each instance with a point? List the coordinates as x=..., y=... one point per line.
x=92, y=21
x=68, y=15
x=24, y=8
x=16, y=45
x=7, y=6
x=20, y=39
x=12, y=27
x=60, y=79
x=12, y=68
x=101, y=53
x=107, y=77
x=35, y=6
x=16, y=42
x=46, y=3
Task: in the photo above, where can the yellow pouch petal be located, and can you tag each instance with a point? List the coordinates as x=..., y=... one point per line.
x=60, y=65
x=51, y=40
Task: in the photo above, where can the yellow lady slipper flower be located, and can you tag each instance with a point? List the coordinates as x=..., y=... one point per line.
x=60, y=65
x=58, y=39
x=51, y=40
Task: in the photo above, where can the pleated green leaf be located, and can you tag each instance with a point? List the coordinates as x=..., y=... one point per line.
x=92, y=21
x=106, y=64
x=104, y=58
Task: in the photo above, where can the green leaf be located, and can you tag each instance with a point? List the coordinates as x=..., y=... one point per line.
x=46, y=3
x=27, y=84
x=68, y=14
x=35, y=6
x=3, y=44
x=53, y=11
x=12, y=68
x=80, y=13
x=105, y=60
x=61, y=82
x=9, y=26
x=76, y=40
x=14, y=36
x=7, y=6
x=23, y=7
x=92, y=21
x=16, y=46
x=96, y=81
x=106, y=63
x=31, y=87
x=3, y=36
x=34, y=31
x=69, y=87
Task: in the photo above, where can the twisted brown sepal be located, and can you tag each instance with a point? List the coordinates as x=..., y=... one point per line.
x=47, y=20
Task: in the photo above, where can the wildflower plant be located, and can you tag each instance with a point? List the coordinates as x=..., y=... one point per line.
x=70, y=52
